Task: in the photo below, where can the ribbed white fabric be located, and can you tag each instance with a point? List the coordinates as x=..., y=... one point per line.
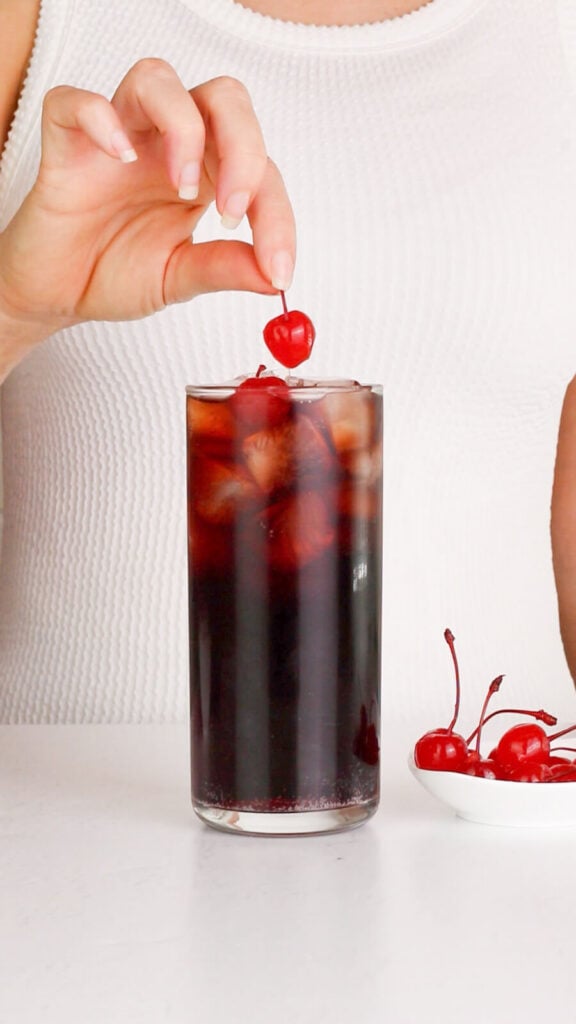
x=431, y=161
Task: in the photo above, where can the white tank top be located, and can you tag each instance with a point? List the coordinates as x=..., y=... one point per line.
x=432, y=164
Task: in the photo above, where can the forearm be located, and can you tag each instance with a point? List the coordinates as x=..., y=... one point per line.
x=563, y=525
x=564, y=547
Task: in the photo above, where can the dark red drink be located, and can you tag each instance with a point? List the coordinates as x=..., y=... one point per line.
x=284, y=505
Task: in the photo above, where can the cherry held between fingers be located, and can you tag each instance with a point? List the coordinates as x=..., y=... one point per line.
x=290, y=336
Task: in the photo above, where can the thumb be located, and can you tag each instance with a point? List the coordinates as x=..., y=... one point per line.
x=195, y=269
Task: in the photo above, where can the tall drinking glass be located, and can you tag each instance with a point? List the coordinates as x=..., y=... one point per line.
x=284, y=527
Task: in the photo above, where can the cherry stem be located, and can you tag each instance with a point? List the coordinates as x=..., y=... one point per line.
x=283, y=297
x=260, y=370
x=557, y=735
x=449, y=638
x=541, y=715
x=554, y=749
x=492, y=689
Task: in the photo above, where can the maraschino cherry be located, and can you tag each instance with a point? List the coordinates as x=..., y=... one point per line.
x=443, y=750
x=366, y=745
x=290, y=336
x=540, y=715
x=525, y=744
x=262, y=400
x=522, y=744
x=523, y=754
x=492, y=767
x=528, y=771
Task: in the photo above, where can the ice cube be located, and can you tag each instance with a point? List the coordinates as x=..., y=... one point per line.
x=210, y=424
x=292, y=451
x=357, y=502
x=364, y=465
x=220, y=490
x=349, y=417
x=298, y=529
x=338, y=382
x=315, y=383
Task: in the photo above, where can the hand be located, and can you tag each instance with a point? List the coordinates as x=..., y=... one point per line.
x=105, y=233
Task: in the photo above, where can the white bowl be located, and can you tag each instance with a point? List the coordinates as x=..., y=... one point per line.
x=496, y=802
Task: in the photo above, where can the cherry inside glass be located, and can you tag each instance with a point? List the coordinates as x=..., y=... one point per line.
x=284, y=528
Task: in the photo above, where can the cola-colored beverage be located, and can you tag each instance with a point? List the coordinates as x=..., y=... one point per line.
x=284, y=526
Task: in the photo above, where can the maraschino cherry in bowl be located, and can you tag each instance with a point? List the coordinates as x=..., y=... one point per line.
x=527, y=779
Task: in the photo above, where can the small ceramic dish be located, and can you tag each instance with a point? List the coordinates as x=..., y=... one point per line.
x=495, y=802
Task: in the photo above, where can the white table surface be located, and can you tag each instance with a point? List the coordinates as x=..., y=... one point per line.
x=118, y=905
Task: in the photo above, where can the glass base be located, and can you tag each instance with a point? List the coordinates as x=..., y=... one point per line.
x=286, y=823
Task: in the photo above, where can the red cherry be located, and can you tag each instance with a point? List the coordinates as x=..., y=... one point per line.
x=540, y=715
x=483, y=768
x=443, y=750
x=261, y=401
x=492, y=760
x=290, y=336
x=525, y=743
x=528, y=771
x=366, y=745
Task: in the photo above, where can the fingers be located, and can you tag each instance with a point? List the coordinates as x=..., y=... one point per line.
x=265, y=267
x=195, y=269
x=151, y=96
x=273, y=229
x=235, y=153
x=74, y=118
x=246, y=180
x=210, y=137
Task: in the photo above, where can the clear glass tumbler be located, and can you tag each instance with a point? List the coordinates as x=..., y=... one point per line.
x=284, y=527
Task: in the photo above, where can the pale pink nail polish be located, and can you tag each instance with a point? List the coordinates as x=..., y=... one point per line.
x=123, y=147
x=189, y=183
x=236, y=206
x=282, y=270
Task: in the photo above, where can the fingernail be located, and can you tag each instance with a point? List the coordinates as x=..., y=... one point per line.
x=189, y=183
x=236, y=206
x=282, y=267
x=123, y=147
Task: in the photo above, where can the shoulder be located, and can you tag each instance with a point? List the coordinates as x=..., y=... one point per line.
x=18, y=19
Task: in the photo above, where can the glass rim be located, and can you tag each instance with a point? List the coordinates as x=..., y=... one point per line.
x=312, y=390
